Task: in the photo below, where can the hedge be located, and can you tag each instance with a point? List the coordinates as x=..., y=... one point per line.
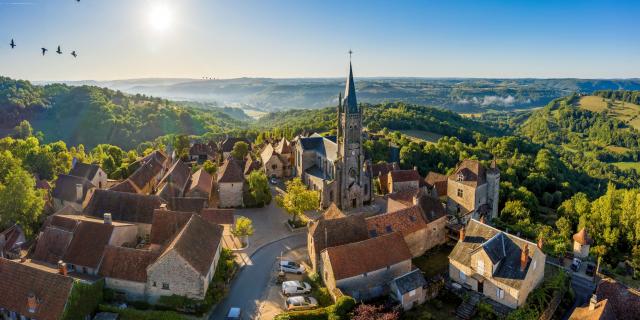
x=133, y=314
x=337, y=311
x=83, y=300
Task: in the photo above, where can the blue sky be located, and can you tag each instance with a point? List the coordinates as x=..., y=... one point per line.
x=118, y=39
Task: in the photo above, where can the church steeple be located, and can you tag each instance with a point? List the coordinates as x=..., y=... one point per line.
x=350, y=104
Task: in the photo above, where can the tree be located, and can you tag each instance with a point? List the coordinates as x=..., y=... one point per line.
x=210, y=167
x=240, y=150
x=298, y=199
x=242, y=229
x=181, y=146
x=21, y=202
x=23, y=130
x=514, y=210
x=259, y=188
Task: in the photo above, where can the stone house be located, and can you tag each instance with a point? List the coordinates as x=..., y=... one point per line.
x=408, y=289
x=201, y=152
x=226, y=146
x=144, y=180
x=334, y=228
x=200, y=186
x=32, y=293
x=91, y=172
x=73, y=191
x=594, y=310
x=472, y=190
x=613, y=300
x=125, y=271
x=499, y=265
x=230, y=184
x=380, y=172
x=276, y=161
x=250, y=165
x=184, y=268
x=581, y=244
x=175, y=181
x=403, y=180
x=125, y=207
x=80, y=241
x=187, y=204
x=364, y=269
x=12, y=241
x=422, y=223
x=436, y=184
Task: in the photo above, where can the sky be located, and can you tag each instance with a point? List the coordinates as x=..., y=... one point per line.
x=123, y=39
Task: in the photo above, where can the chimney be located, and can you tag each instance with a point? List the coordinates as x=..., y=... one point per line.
x=482, y=220
x=163, y=206
x=79, y=192
x=540, y=242
x=415, y=168
x=461, y=234
x=524, y=257
x=107, y=218
x=62, y=268
x=593, y=301
x=32, y=303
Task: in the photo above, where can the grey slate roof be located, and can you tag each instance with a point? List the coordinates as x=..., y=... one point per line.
x=324, y=146
x=350, y=104
x=496, y=247
x=123, y=206
x=65, y=188
x=478, y=234
x=84, y=170
x=410, y=281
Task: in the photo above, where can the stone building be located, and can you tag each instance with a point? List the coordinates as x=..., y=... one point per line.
x=333, y=229
x=499, y=265
x=91, y=172
x=581, y=243
x=148, y=173
x=472, y=190
x=380, y=173
x=277, y=160
x=364, y=269
x=335, y=166
x=403, y=180
x=230, y=184
x=226, y=146
x=12, y=241
x=201, y=185
x=201, y=152
x=420, y=219
x=408, y=289
x=175, y=181
x=71, y=191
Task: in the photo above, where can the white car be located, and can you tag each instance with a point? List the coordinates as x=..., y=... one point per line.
x=291, y=267
x=300, y=303
x=295, y=287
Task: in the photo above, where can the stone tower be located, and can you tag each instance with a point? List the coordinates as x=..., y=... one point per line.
x=353, y=185
x=493, y=188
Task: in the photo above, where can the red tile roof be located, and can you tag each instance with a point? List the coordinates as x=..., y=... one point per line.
x=406, y=221
x=472, y=172
x=126, y=263
x=87, y=246
x=230, y=171
x=404, y=175
x=18, y=281
x=201, y=180
x=624, y=301
x=166, y=224
x=356, y=258
x=439, y=181
x=218, y=216
x=582, y=237
x=52, y=244
x=601, y=311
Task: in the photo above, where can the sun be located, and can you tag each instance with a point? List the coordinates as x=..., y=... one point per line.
x=160, y=17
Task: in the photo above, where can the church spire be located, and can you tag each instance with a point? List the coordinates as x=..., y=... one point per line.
x=350, y=104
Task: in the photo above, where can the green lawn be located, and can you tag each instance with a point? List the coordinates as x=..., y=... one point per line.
x=628, y=165
x=422, y=135
x=442, y=307
x=434, y=262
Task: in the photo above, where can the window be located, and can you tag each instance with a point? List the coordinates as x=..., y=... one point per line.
x=499, y=293
x=460, y=177
x=412, y=293
x=373, y=233
x=388, y=229
x=480, y=266
x=274, y=166
x=165, y=286
x=364, y=274
x=463, y=276
x=460, y=193
x=154, y=284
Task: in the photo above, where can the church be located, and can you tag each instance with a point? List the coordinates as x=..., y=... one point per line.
x=335, y=165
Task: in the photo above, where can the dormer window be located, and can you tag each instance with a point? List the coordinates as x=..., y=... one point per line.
x=460, y=177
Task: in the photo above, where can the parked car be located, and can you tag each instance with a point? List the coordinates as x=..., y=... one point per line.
x=300, y=303
x=234, y=314
x=295, y=287
x=590, y=270
x=291, y=267
x=575, y=265
x=273, y=180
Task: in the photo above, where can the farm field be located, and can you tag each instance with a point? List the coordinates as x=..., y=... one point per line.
x=623, y=111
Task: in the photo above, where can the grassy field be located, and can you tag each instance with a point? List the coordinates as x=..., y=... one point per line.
x=628, y=165
x=617, y=149
x=422, y=135
x=624, y=111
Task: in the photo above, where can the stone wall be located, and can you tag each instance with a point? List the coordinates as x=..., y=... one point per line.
x=173, y=270
x=132, y=290
x=402, y=186
x=432, y=235
x=274, y=167
x=230, y=194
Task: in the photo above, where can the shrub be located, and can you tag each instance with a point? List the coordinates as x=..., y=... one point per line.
x=133, y=314
x=84, y=299
x=343, y=306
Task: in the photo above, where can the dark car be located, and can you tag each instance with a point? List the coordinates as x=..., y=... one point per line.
x=590, y=270
x=575, y=265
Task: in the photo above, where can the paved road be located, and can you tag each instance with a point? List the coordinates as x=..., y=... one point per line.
x=583, y=288
x=249, y=285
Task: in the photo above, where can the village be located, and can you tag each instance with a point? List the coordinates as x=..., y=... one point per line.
x=233, y=228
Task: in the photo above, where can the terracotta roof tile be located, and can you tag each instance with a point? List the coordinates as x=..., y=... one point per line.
x=126, y=263
x=166, y=224
x=186, y=204
x=369, y=255
x=52, y=244
x=624, y=301
x=437, y=180
x=582, y=237
x=602, y=311
x=87, y=246
x=334, y=232
x=406, y=221
x=218, y=216
x=18, y=281
x=125, y=186
x=230, y=171
x=201, y=180
x=151, y=165
x=404, y=175
x=383, y=168
x=333, y=212
x=472, y=171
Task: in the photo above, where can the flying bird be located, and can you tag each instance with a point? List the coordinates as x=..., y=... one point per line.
x=12, y=44
x=59, y=51
x=73, y=53
x=44, y=50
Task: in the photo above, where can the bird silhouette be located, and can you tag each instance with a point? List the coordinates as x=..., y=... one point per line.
x=59, y=51
x=73, y=53
x=12, y=44
x=44, y=50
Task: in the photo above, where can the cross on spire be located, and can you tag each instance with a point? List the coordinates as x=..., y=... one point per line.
x=350, y=53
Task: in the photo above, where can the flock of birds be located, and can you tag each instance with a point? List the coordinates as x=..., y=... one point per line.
x=12, y=44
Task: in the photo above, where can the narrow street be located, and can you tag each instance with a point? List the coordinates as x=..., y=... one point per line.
x=249, y=286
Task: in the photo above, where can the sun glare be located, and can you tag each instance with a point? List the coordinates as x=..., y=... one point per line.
x=160, y=17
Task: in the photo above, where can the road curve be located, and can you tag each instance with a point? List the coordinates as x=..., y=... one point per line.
x=249, y=285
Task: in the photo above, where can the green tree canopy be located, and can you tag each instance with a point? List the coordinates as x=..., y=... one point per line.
x=298, y=199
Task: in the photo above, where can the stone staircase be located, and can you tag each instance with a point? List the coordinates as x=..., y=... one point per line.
x=467, y=309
